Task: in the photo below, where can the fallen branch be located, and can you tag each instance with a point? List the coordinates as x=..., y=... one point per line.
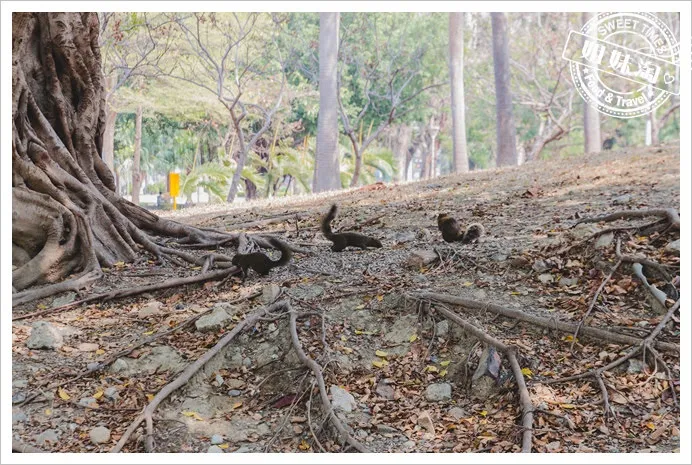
x=121, y=293
x=657, y=294
x=593, y=302
x=510, y=351
x=546, y=322
x=668, y=213
x=317, y=371
x=185, y=376
x=122, y=353
x=593, y=236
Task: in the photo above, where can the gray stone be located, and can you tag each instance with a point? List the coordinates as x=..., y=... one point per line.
x=119, y=366
x=438, y=392
x=385, y=390
x=49, y=435
x=44, y=336
x=18, y=416
x=214, y=450
x=93, y=366
x=111, y=393
x=406, y=236
x=242, y=450
x=545, y=278
x=151, y=308
x=622, y=199
x=402, y=330
x=270, y=293
x=499, y=257
x=420, y=258
x=342, y=399
x=20, y=383
x=65, y=299
x=87, y=347
x=582, y=231
x=635, y=365
x=409, y=444
x=161, y=358
x=247, y=362
x=89, y=402
x=234, y=393
x=566, y=282
x=386, y=429
x=539, y=266
x=604, y=240
x=100, y=435
x=216, y=439
x=306, y=291
x=673, y=248
x=442, y=328
x=18, y=398
x=457, y=413
x=214, y=321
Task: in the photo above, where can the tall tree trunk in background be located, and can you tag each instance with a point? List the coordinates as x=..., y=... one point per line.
x=401, y=142
x=456, y=73
x=136, y=174
x=592, y=118
x=109, y=131
x=327, y=172
x=506, y=131
x=432, y=158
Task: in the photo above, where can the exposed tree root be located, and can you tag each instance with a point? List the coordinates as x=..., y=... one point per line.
x=510, y=352
x=18, y=446
x=593, y=302
x=546, y=322
x=668, y=213
x=597, y=234
x=317, y=371
x=74, y=284
x=121, y=293
x=641, y=347
x=185, y=376
x=122, y=353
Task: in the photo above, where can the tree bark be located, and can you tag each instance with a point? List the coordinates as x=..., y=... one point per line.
x=592, y=118
x=109, y=132
x=136, y=173
x=456, y=74
x=327, y=172
x=67, y=220
x=506, y=130
x=400, y=149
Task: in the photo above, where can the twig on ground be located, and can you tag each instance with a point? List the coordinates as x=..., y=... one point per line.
x=669, y=213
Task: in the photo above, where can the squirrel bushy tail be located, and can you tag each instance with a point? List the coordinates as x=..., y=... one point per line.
x=327, y=220
x=286, y=252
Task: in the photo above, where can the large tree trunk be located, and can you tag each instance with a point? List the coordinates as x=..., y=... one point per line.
x=136, y=172
x=66, y=217
x=456, y=74
x=327, y=151
x=400, y=147
x=592, y=118
x=109, y=132
x=506, y=131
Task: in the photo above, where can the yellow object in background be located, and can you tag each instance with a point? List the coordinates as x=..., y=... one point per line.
x=174, y=187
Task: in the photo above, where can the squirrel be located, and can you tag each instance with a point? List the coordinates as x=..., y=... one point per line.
x=260, y=262
x=451, y=232
x=345, y=239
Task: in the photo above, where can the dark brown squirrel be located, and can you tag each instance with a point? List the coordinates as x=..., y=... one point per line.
x=345, y=239
x=451, y=231
x=260, y=262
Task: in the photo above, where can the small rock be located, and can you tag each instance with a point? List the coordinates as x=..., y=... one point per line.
x=408, y=444
x=242, y=450
x=18, y=416
x=457, y=413
x=425, y=422
x=100, y=435
x=499, y=257
x=235, y=383
x=64, y=299
x=342, y=399
x=213, y=321
x=87, y=347
x=93, y=366
x=234, y=393
x=622, y=199
x=270, y=293
x=88, y=402
x=18, y=398
x=49, y=435
x=362, y=434
x=151, y=308
x=604, y=240
x=635, y=365
x=44, y=336
x=406, y=236
x=386, y=429
x=214, y=450
x=442, y=328
x=545, y=278
x=119, y=366
x=673, y=248
x=566, y=282
x=247, y=362
x=111, y=393
x=420, y=258
x=385, y=390
x=539, y=266
x=438, y=392
x=553, y=446
x=216, y=439
x=20, y=383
